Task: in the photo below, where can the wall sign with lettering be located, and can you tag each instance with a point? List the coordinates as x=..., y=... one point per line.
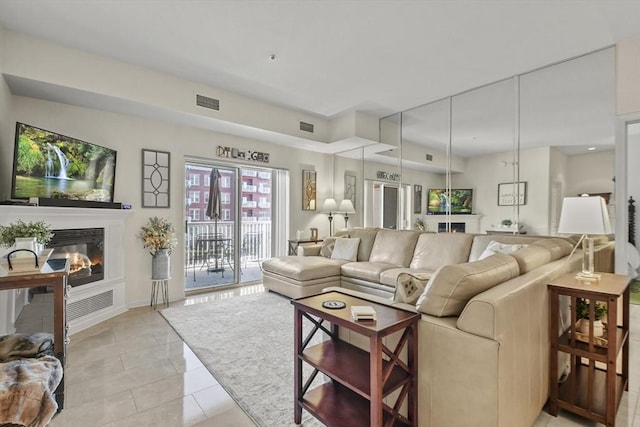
x=234, y=153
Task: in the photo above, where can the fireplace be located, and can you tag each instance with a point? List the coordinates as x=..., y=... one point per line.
x=85, y=248
x=456, y=227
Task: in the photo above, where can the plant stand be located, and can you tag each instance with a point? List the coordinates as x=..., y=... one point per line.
x=159, y=286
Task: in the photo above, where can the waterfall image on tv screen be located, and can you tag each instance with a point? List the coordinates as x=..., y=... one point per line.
x=47, y=164
x=458, y=201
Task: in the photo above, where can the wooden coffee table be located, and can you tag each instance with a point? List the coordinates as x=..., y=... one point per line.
x=359, y=379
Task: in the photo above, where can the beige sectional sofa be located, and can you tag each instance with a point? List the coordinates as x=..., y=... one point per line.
x=483, y=335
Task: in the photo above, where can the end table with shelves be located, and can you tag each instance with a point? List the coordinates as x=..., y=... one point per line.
x=599, y=369
x=359, y=379
x=294, y=243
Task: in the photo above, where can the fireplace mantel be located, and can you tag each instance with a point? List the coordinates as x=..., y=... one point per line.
x=91, y=303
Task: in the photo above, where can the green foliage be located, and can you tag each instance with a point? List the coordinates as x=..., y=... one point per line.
x=420, y=225
x=582, y=309
x=506, y=222
x=38, y=229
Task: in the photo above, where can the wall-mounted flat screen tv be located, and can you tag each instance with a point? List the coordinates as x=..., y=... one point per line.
x=49, y=165
x=460, y=201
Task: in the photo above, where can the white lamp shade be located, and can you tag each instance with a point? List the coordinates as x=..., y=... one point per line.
x=584, y=215
x=346, y=206
x=330, y=205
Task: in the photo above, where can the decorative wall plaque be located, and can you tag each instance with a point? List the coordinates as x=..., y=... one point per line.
x=155, y=178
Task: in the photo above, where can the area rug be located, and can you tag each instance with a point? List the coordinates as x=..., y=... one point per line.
x=246, y=342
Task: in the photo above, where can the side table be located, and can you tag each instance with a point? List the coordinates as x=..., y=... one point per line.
x=360, y=380
x=159, y=286
x=597, y=377
x=294, y=243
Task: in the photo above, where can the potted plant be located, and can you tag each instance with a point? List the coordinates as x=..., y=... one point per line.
x=26, y=235
x=159, y=236
x=582, y=313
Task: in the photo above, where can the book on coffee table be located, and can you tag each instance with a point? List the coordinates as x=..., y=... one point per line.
x=363, y=312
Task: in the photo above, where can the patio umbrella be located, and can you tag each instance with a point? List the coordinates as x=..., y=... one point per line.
x=214, y=210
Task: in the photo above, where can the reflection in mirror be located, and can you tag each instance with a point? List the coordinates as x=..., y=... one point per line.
x=567, y=136
x=349, y=184
x=633, y=179
x=535, y=130
x=483, y=123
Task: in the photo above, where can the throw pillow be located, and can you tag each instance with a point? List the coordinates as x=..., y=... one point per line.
x=410, y=286
x=327, y=247
x=499, y=248
x=346, y=249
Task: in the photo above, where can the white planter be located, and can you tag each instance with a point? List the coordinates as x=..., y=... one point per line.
x=25, y=243
x=598, y=327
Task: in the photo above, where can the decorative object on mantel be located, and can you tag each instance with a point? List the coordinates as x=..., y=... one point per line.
x=32, y=236
x=155, y=178
x=159, y=236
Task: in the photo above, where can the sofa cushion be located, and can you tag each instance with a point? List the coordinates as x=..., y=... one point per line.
x=452, y=286
x=558, y=247
x=367, y=236
x=410, y=286
x=365, y=270
x=531, y=257
x=394, y=247
x=327, y=247
x=480, y=242
x=500, y=248
x=346, y=249
x=433, y=250
x=390, y=277
x=303, y=268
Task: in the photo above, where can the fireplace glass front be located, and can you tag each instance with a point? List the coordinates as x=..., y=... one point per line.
x=85, y=248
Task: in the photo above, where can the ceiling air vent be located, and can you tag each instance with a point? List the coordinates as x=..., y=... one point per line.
x=429, y=157
x=307, y=127
x=206, y=102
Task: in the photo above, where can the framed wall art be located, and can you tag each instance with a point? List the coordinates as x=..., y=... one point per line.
x=508, y=191
x=350, y=188
x=308, y=190
x=155, y=178
x=417, y=199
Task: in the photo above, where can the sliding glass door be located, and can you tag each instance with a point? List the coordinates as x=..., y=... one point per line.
x=228, y=224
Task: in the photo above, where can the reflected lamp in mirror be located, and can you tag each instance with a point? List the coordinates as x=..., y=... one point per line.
x=330, y=206
x=585, y=215
x=346, y=208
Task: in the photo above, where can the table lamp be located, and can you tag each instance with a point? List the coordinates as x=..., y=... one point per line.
x=330, y=206
x=585, y=215
x=346, y=207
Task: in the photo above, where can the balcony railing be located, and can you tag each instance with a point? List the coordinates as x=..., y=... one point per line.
x=206, y=242
x=249, y=204
x=249, y=188
x=264, y=205
x=251, y=173
x=264, y=190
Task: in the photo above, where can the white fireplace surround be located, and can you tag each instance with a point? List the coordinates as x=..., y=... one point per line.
x=471, y=222
x=93, y=302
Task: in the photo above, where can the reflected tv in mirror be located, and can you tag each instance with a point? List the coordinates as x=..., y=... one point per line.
x=49, y=165
x=460, y=201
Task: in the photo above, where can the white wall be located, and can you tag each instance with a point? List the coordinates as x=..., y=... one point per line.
x=6, y=130
x=590, y=173
x=128, y=135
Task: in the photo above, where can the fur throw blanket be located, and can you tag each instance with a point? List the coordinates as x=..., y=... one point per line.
x=28, y=379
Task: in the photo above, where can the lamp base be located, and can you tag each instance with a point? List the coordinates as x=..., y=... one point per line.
x=588, y=277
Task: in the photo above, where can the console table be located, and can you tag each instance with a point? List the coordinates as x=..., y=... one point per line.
x=58, y=280
x=294, y=243
x=360, y=379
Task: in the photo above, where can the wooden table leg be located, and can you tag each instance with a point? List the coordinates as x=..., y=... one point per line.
x=375, y=367
x=297, y=367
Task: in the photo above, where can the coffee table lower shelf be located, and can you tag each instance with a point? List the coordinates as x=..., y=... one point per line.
x=336, y=406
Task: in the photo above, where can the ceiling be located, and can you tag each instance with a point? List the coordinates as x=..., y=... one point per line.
x=332, y=56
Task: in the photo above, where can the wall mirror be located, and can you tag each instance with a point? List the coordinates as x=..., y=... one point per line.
x=536, y=128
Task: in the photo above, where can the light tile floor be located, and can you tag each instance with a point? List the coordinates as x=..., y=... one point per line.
x=134, y=370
